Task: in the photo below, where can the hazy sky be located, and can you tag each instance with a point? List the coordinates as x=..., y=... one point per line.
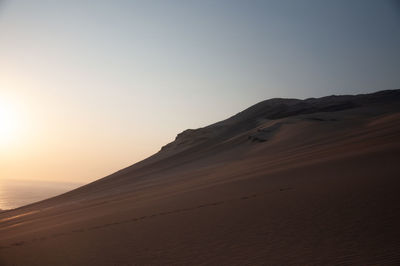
x=94, y=86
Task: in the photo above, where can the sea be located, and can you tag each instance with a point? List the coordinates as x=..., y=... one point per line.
x=17, y=193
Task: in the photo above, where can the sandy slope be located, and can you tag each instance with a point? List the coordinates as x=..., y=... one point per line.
x=285, y=182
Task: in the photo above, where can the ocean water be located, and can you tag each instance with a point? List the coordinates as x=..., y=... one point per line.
x=17, y=193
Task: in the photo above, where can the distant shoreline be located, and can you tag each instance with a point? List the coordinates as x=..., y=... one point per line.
x=18, y=193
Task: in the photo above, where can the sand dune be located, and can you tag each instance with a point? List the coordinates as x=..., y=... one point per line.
x=285, y=182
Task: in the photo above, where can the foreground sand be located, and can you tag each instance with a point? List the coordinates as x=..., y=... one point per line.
x=319, y=188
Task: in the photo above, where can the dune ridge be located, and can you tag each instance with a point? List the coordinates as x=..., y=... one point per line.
x=284, y=182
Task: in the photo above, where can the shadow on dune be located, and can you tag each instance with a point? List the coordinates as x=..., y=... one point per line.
x=284, y=182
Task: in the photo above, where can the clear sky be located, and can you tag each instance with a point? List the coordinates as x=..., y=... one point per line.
x=89, y=87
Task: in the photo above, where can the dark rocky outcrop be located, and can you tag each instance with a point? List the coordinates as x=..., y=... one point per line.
x=278, y=108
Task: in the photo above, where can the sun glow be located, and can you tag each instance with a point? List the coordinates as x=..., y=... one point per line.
x=10, y=123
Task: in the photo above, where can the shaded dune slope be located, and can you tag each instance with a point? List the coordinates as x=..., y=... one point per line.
x=285, y=182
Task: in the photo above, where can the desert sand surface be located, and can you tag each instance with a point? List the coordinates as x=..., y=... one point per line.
x=285, y=182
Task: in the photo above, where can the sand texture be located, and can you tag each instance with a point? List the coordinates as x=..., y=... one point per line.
x=285, y=182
